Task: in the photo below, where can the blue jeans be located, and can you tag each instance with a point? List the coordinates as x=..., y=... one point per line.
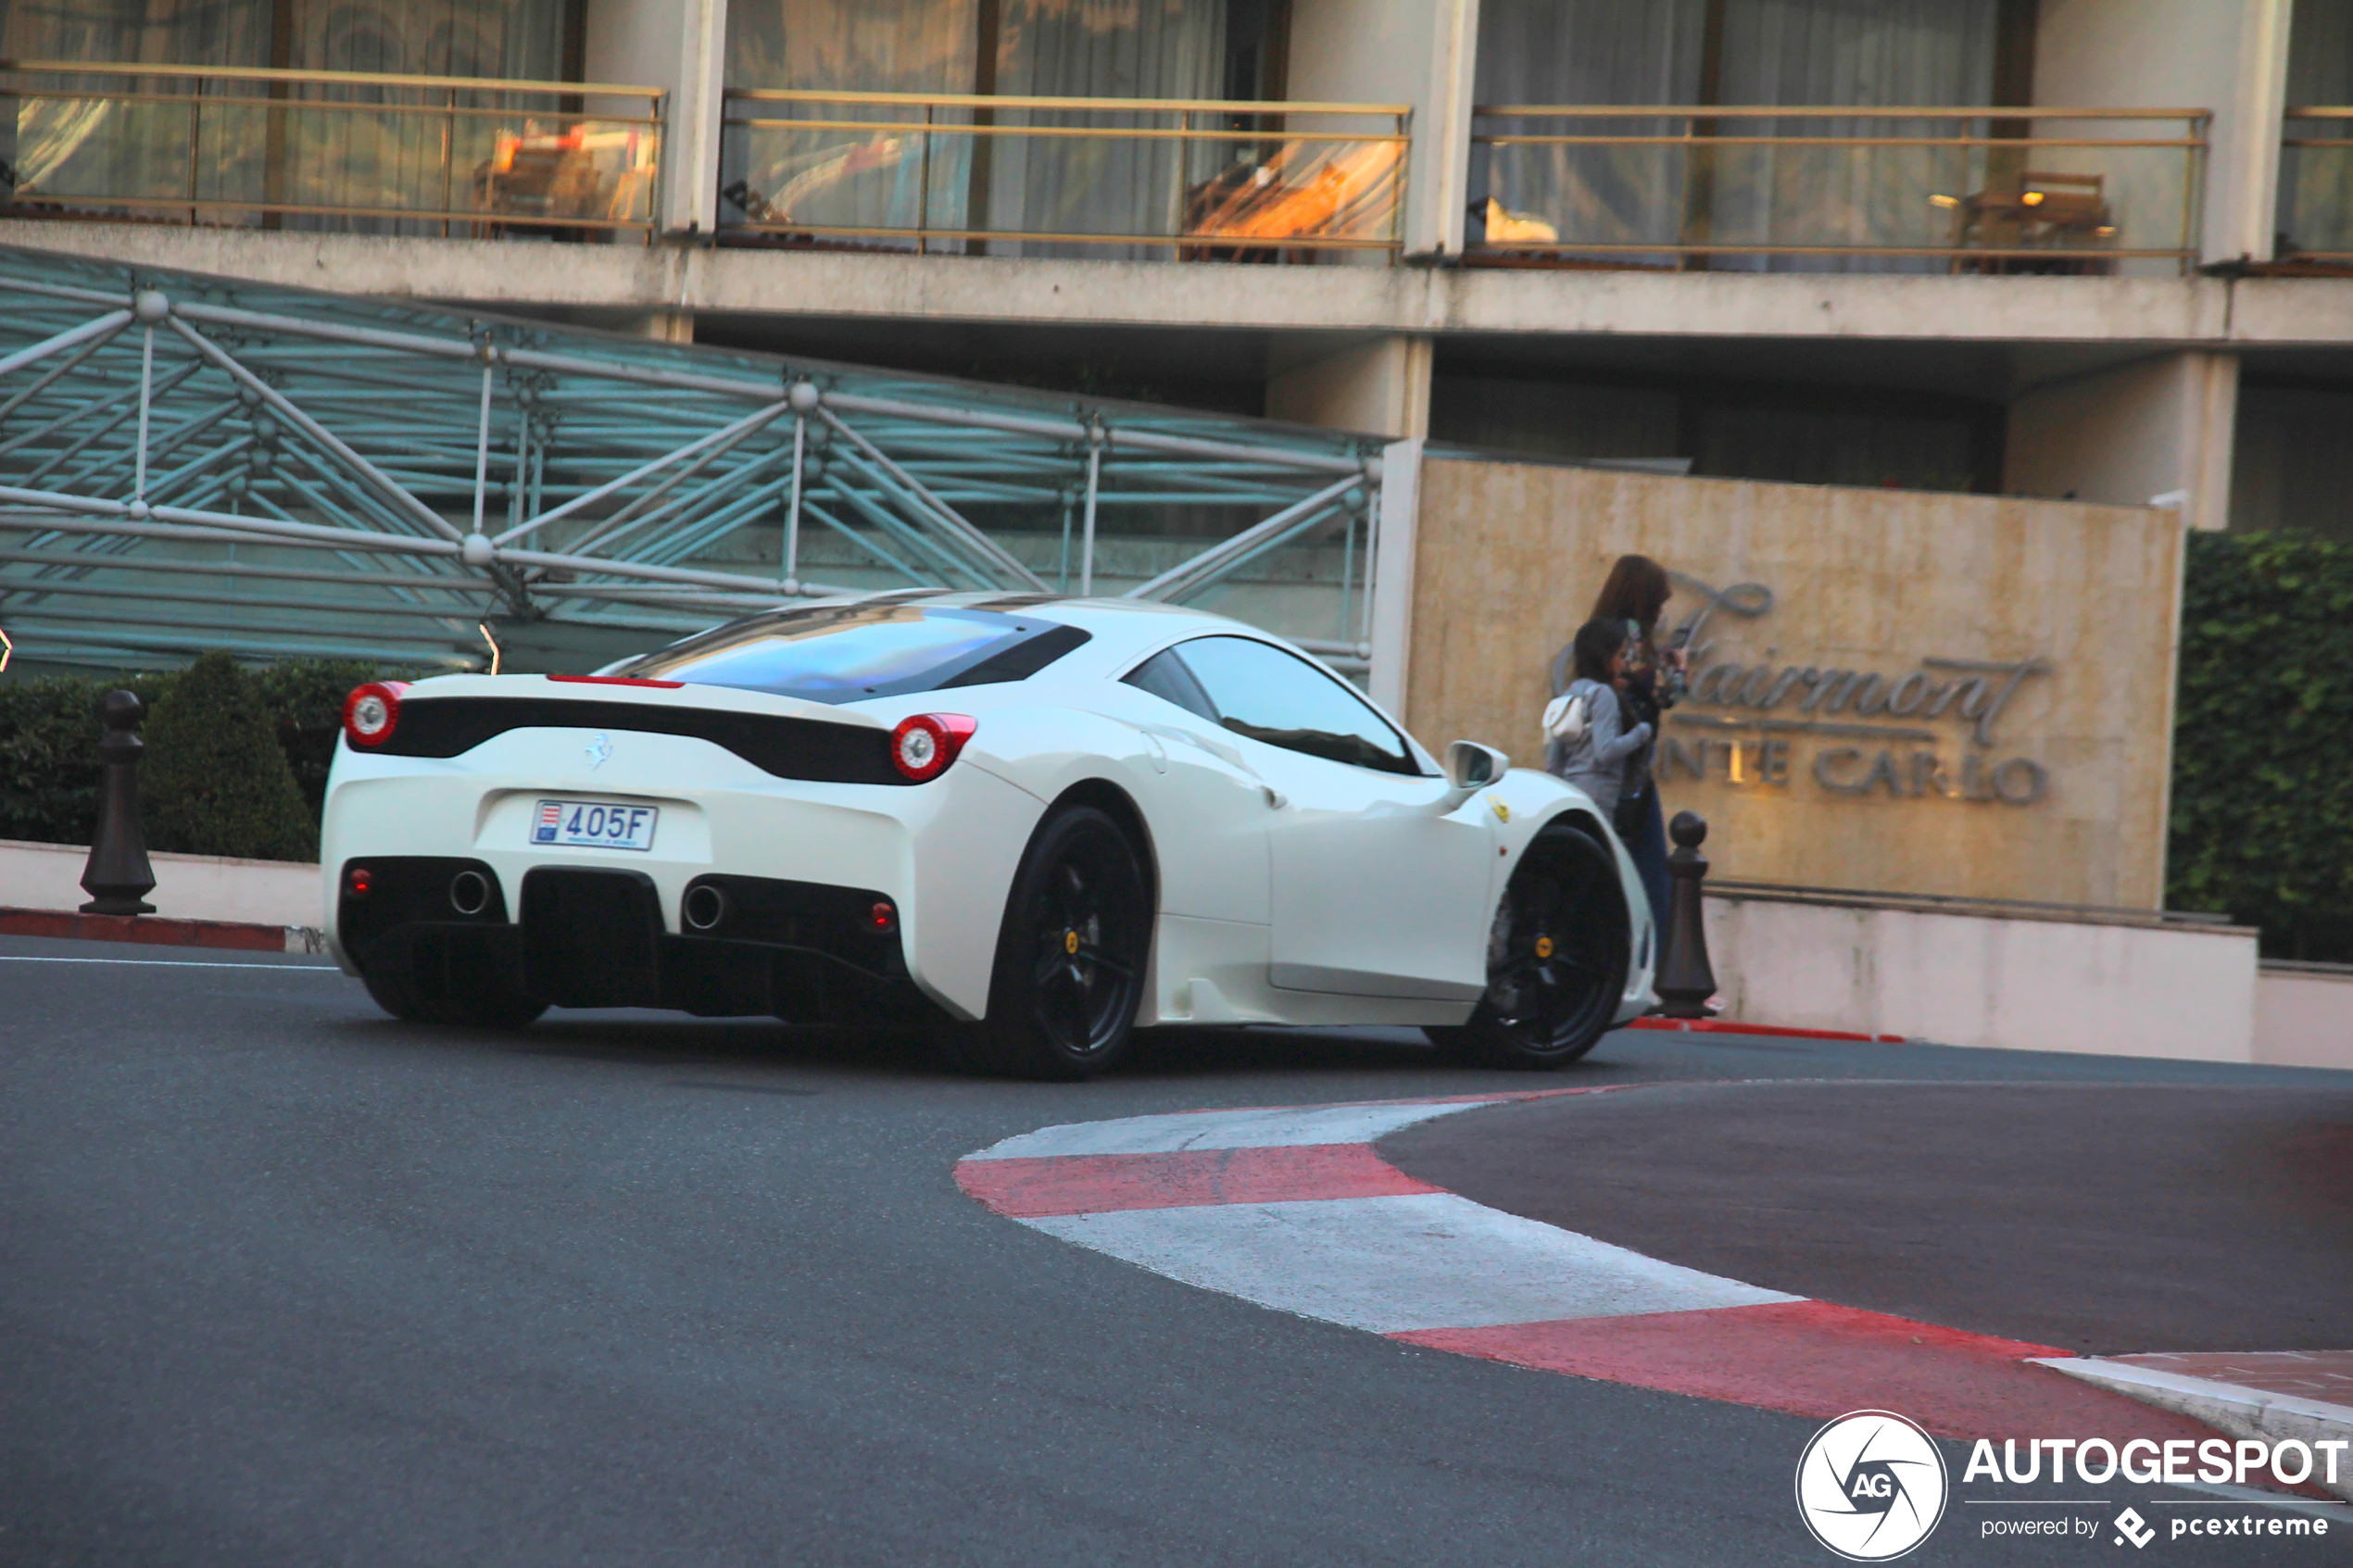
x=1645, y=836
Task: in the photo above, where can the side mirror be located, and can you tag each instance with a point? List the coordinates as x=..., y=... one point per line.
x=1470, y=767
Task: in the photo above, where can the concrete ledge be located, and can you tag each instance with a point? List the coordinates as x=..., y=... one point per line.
x=634, y=278
x=199, y=888
x=1979, y=979
x=2304, y=1015
x=2227, y=1407
x=163, y=932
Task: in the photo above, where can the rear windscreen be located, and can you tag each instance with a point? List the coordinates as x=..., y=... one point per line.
x=847, y=653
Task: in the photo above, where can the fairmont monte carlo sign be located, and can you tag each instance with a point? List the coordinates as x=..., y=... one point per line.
x=1930, y=728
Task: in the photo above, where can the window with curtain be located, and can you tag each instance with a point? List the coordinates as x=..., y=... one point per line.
x=894, y=179
x=1101, y=49
x=192, y=146
x=2290, y=466
x=2316, y=183
x=1796, y=434
x=1845, y=53
x=65, y=147
x=394, y=160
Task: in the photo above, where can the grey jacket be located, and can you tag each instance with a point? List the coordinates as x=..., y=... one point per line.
x=1595, y=762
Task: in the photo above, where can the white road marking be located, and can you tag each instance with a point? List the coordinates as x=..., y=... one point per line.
x=1392, y=1264
x=174, y=964
x=1279, y=1127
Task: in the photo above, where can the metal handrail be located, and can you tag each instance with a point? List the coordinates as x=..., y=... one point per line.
x=986, y=130
x=1701, y=134
x=2330, y=112
x=1011, y=101
x=336, y=78
x=1783, y=111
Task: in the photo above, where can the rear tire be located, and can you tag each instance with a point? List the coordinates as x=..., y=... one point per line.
x=1557, y=959
x=1070, y=955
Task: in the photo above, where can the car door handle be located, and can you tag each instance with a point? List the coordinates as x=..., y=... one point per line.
x=1275, y=797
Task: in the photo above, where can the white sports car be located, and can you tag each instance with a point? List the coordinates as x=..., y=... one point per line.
x=1035, y=823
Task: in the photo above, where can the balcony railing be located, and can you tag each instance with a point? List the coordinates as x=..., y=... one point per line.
x=2315, y=218
x=326, y=150
x=1782, y=189
x=1198, y=179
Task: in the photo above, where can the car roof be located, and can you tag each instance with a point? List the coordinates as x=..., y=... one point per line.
x=1123, y=625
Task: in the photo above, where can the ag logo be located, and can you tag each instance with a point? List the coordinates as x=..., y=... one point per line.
x=1871, y=1485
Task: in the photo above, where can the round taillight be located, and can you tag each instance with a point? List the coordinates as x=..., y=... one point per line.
x=925, y=744
x=371, y=712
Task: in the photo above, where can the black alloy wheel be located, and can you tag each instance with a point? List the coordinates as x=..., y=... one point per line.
x=1071, y=954
x=1556, y=958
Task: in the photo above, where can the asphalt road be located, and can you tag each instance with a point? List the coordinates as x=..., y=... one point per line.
x=2102, y=1219
x=284, y=1282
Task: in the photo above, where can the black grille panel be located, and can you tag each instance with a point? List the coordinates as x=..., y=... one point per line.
x=788, y=748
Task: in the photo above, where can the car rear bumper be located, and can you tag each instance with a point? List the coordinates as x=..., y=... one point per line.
x=594, y=936
x=940, y=854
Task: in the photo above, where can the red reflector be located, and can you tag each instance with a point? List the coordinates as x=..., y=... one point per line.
x=616, y=680
x=882, y=918
x=359, y=880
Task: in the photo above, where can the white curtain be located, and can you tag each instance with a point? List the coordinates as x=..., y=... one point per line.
x=1101, y=49
x=1858, y=53
x=889, y=179
x=2316, y=183
x=84, y=147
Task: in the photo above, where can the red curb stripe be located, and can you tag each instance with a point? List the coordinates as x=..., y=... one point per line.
x=1729, y=1026
x=1819, y=1359
x=162, y=930
x=1091, y=1183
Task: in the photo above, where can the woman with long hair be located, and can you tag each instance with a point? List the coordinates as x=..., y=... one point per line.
x=1635, y=596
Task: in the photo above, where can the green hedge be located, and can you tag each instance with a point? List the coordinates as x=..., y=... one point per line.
x=2263, y=820
x=49, y=768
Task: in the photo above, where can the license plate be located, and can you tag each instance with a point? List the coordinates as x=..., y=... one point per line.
x=594, y=823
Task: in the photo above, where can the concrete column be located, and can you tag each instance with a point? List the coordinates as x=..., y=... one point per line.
x=2231, y=59
x=2157, y=431
x=1378, y=385
x=1418, y=52
x=680, y=46
x=1400, y=488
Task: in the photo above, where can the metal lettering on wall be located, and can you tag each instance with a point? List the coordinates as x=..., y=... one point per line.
x=1864, y=732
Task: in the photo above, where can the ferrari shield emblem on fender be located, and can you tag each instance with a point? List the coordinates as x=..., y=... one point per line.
x=1502, y=812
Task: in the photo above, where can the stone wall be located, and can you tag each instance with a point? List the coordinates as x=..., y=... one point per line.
x=1893, y=690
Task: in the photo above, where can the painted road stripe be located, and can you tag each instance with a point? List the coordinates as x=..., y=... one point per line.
x=1392, y=1265
x=1279, y=1127
x=1094, y=1183
x=1292, y=1208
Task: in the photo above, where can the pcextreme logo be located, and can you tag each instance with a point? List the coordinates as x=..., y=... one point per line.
x=1871, y=1485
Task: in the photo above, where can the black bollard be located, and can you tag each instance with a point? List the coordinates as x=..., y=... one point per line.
x=1685, y=978
x=119, y=876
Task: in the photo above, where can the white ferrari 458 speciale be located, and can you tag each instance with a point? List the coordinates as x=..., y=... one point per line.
x=1035, y=823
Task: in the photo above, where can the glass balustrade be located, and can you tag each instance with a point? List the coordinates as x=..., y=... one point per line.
x=344, y=151
x=1815, y=189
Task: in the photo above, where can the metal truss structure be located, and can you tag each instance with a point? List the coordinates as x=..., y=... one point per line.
x=187, y=463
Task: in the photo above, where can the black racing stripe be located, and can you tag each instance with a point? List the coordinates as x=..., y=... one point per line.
x=787, y=747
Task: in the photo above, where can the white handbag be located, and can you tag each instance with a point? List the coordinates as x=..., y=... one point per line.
x=1566, y=716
